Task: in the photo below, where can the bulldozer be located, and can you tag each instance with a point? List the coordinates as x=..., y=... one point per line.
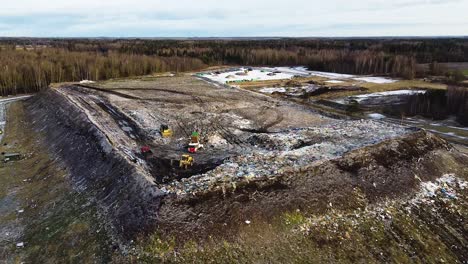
x=165, y=131
x=186, y=161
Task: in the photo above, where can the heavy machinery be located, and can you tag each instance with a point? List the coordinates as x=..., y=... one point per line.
x=194, y=144
x=186, y=161
x=165, y=131
x=146, y=151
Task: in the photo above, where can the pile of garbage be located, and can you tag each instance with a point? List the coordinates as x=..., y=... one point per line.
x=274, y=153
x=444, y=188
x=338, y=224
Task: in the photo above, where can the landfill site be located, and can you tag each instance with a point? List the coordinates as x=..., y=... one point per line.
x=185, y=156
x=236, y=134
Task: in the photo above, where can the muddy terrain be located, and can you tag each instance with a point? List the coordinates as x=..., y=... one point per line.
x=262, y=156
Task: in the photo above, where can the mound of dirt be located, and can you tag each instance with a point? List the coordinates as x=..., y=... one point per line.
x=387, y=170
x=128, y=199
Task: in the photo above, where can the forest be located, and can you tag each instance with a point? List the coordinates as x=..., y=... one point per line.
x=29, y=64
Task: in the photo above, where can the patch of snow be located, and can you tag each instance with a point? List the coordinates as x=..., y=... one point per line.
x=272, y=90
x=87, y=82
x=378, y=80
x=331, y=75
x=303, y=71
x=376, y=116
x=449, y=134
x=300, y=71
x=280, y=73
x=390, y=93
x=254, y=75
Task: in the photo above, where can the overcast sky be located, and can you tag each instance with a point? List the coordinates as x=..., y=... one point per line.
x=239, y=18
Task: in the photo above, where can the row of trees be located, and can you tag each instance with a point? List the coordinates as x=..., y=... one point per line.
x=335, y=60
x=439, y=104
x=28, y=65
x=27, y=71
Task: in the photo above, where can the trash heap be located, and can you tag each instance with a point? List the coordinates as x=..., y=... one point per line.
x=274, y=153
x=444, y=188
x=436, y=197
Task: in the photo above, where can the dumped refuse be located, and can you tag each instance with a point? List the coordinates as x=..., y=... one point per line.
x=294, y=148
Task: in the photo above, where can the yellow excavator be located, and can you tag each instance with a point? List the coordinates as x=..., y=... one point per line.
x=186, y=161
x=165, y=131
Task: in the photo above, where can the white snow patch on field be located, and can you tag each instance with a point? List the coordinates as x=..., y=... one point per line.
x=378, y=80
x=302, y=71
x=280, y=73
x=376, y=116
x=331, y=75
x=86, y=82
x=254, y=75
x=390, y=93
x=272, y=90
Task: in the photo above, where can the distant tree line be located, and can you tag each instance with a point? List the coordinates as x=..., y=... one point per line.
x=28, y=71
x=28, y=65
x=439, y=104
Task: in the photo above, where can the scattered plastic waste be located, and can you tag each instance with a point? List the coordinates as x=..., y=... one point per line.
x=289, y=150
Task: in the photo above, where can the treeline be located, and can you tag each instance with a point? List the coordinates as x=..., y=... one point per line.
x=28, y=71
x=440, y=104
x=28, y=65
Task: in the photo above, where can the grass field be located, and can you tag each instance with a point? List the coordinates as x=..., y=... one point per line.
x=56, y=220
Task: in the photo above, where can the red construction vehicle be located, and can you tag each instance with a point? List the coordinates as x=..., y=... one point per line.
x=146, y=150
